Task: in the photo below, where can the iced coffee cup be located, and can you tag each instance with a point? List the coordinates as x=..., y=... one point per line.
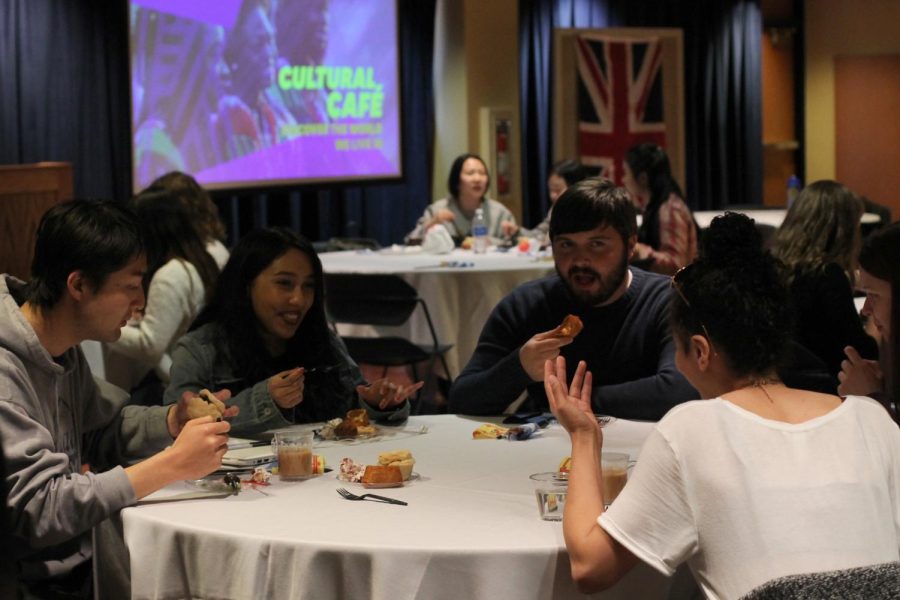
x=295, y=458
x=615, y=474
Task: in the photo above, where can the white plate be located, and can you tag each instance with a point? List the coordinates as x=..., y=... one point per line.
x=378, y=486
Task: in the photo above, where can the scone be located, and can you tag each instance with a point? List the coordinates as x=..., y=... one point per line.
x=402, y=459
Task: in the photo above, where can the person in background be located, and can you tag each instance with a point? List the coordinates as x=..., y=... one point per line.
x=748, y=485
x=667, y=239
x=468, y=183
x=562, y=175
x=264, y=336
x=818, y=245
x=626, y=338
x=251, y=55
x=181, y=276
x=201, y=210
x=879, y=278
x=86, y=280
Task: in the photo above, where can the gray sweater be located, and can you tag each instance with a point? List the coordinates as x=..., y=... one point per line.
x=53, y=420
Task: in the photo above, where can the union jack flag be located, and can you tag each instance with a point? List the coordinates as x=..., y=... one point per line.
x=620, y=99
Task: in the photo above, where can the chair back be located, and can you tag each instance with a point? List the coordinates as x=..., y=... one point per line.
x=872, y=582
x=369, y=299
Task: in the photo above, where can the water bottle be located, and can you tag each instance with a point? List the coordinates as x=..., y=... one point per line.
x=793, y=189
x=479, y=232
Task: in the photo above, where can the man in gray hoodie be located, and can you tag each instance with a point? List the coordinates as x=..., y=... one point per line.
x=54, y=423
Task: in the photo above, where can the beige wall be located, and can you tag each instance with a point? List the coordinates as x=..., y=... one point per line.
x=476, y=65
x=839, y=27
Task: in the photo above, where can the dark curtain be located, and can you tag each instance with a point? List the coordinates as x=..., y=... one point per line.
x=64, y=90
x=64, y=97
x=723, y=93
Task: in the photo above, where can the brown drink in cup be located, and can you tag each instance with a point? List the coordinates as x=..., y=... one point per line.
x=615, y=475
x=294, y=455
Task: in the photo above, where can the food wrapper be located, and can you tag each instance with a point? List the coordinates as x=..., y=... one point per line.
x=318, y=464
x=521, y=432
x=489, y=431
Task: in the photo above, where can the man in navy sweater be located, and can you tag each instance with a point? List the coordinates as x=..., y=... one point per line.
x=626, y=340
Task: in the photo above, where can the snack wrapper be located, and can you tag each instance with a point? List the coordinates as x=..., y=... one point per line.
x=521, y=432
x=489, y=431
x=318, y=464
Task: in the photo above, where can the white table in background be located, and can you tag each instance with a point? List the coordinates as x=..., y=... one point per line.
x=766, y=216
x=459, y=298
x=471, y=529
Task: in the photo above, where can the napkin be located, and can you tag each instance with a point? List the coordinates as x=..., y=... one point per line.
x=437, y=240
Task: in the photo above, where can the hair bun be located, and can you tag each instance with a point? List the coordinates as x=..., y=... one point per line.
x=731, y=240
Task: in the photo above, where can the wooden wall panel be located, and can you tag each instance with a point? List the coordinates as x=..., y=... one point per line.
x=26, y=192
x=867, y=130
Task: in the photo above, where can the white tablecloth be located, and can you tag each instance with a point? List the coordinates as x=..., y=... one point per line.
x=471, y=529
x=459, y=298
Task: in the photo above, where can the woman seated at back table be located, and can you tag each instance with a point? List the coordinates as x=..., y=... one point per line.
x=758, y=482
x=818, y=244
x=468, y=183
x=180, y=275
x=667, y=237
x=879, y=278
x=264, y=336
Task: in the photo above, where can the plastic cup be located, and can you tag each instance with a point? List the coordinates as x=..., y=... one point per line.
x=551, y=489
x=295, y=457
x=615, y=474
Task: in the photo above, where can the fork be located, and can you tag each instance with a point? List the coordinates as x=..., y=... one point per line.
x=374, y=497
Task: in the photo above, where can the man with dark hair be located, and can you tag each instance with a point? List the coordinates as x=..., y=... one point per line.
x=86, y=282
x=626, y=340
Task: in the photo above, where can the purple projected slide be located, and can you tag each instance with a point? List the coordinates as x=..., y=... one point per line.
x=246, y=93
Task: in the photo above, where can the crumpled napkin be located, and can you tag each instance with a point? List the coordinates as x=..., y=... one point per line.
x=437, y=240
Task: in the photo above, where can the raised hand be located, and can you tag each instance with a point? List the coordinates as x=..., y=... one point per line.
x=858, y=375
x=571, y=404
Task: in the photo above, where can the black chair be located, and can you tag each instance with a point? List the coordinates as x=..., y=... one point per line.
x=384, y=300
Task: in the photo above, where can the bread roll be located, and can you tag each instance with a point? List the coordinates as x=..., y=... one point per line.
x=386, y=458
x=402, y=459
x=205, y=404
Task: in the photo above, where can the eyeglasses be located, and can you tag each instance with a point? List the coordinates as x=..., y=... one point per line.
x=677, y=287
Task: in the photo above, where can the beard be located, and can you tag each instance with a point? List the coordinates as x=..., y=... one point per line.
x=607, y=285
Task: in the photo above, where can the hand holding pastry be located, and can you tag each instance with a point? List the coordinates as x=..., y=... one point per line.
x=286, y=388
x=545, y=346
x=199, y=448
x=384, y=394
x=193, y=406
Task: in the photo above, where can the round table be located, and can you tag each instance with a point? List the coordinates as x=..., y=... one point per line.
x=460, y=288
x=471, y=529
